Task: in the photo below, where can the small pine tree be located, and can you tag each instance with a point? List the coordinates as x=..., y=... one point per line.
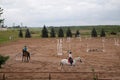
x=44, y=32
x=60, y=32
x=27, y=34
x=77, y=34
x=52, y=33
x=102, y=34
x=20, y=33
x=3, y=59
x=94, y=33
x=68, y=33
x=1, y=20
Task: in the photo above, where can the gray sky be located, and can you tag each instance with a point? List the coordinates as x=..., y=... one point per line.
x=61, y=12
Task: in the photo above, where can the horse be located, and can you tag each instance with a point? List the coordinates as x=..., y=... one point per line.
x=25, y=56
x=66, y=62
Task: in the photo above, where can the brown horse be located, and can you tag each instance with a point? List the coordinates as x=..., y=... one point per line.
x=25, y=56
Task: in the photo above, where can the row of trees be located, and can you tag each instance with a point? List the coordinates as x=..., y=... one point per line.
x=60, y=33
x=94, y=33
x=27, y=33
x=69, y=33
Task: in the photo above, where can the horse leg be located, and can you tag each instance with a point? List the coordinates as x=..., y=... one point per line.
x=27, y=58
x=80, y=60
x=61, y=64
x=22, y=58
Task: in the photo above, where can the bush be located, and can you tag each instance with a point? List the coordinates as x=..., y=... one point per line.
x=20, y=33
x=77, y=34
x=52, y=33
x=113, y=33
x=3, y=59
x=44, y=32
x=69, y=33
x=102, y=34
x=94, y=33
x=60, y=32
x=27, y=34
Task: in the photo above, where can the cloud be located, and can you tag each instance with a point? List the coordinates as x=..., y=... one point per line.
x=61, y=12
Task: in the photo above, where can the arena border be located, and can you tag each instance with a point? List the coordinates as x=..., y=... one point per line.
x=49, y=77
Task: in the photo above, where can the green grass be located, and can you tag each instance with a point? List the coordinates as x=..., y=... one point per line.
x=4, y=35
x=36, y=32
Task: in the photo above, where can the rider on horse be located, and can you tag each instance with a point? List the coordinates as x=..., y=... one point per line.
x=25, y=49
x=25, y=54
x=70, y=60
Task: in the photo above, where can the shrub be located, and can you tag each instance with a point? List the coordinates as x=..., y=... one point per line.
x=27, y=34
x=3, y=59
x=44, y=32
x=69, y=33
x=77, y=34
x=102, y=34
x=52, y=33
x=113, y=33
x=20, y=33
x=60, y=32
x=94, y=33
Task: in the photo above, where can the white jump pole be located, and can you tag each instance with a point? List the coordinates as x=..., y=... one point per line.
x=116, y=41
x=87, y=50
x=59, y=47
x=80, y=38
x=69, y=45
x=103, y=47
x=103, y=39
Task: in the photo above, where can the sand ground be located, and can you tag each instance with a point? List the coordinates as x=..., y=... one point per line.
x=44, y=58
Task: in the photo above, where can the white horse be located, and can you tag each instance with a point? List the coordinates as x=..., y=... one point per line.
x=65, y=61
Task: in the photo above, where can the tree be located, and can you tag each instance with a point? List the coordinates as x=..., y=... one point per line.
x=1, y=20
x=27, y=34
x=60, y=32
x=44, y=32
x=3, y=59
x=52, y=33
x=20, y=33
x=94, y=33
x=102, y=34
x=68, y=33
x=77, y=34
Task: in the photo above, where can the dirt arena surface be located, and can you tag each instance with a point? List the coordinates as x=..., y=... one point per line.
x=105, y=60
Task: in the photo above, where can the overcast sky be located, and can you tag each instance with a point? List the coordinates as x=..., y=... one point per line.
x=61, y=12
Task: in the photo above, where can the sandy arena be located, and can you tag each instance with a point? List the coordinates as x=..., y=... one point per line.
x=102, y=56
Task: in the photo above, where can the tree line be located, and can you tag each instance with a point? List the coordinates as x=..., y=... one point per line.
x=60, y=33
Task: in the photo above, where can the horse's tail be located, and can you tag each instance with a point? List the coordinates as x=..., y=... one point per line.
x=80, y=60
x=61, y=64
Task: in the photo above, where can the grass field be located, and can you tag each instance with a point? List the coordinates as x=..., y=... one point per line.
x=4, y=35
x=36, y=32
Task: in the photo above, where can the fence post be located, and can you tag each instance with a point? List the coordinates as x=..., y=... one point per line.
x=49, y=76
x=4, y=78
